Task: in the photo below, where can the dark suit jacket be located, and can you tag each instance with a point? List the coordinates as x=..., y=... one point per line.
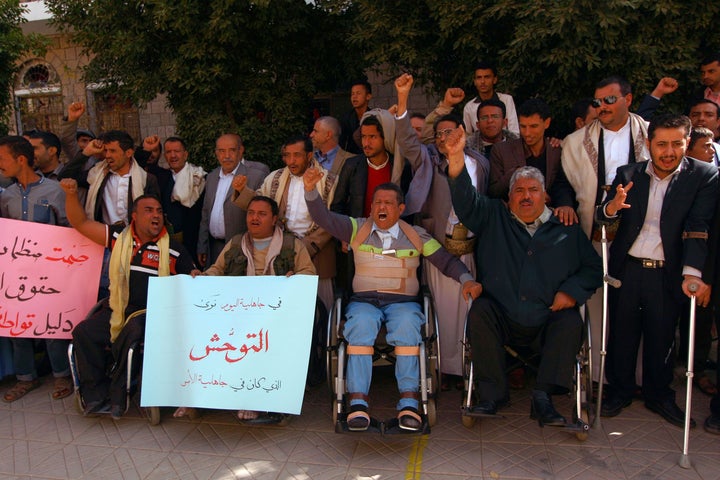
x=688, y=207
x=234, y=216
x=506, y=157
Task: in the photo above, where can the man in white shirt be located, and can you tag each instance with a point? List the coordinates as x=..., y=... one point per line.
x=285, y=186
x=484, y=79
x=221, y=219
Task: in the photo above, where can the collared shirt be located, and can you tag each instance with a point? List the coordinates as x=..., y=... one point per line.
x=298, y=219
x=648, y=243
x=712, y=96
x=216, y=225
x=532, y=227
x=115, y=198
x=326, y=160
x=41, y=202
x=386, y=236
x=617, y=150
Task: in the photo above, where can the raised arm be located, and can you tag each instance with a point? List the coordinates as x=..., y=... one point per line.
x=95, y=231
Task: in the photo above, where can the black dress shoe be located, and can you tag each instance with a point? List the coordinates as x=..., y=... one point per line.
x=485, y=407
x=542, y=410
x=669, y=410
x=712, y=424
x=614, y=405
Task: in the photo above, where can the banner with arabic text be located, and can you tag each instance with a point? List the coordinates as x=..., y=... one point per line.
x=49, y=278
x=233, y=343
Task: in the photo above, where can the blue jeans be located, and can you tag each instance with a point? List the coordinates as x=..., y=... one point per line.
x=403, y=322
x=24, y=358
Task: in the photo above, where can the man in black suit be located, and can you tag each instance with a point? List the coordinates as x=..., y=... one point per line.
x=221, y=219
x=664, y=208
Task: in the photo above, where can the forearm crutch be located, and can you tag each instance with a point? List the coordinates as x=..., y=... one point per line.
x=608, y=281
x=684, y=460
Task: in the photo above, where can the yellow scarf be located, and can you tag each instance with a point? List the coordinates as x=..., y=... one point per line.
x=120, y=259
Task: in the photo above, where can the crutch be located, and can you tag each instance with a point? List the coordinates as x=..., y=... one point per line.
x=684, y=461
x=608, y=281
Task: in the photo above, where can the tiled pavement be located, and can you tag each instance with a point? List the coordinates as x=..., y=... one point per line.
x=48, y=439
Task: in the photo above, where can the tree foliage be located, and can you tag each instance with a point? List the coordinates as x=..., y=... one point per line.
x=250, y=67
x=13, y=44
x=555, y=49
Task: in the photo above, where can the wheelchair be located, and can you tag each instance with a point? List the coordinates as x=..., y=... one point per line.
x=383, y=355
x=524, y=356
x=132, y=382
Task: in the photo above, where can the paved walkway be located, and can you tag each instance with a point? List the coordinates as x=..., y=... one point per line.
x=47, y=439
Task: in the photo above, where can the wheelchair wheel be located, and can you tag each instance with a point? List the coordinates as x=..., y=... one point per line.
x=431, y=412
x=468, y=421
x=78, y=403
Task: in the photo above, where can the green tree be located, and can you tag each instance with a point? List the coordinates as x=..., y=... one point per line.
x=555, y=49
x=250, y=67
x=13, y=45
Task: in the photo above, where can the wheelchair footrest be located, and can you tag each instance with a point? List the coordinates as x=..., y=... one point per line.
x=375, y=427
x=392, y=427
x=578, y=427
x=468, y=412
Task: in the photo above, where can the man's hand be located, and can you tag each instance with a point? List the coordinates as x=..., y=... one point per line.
x=471, y=288
x=566, y=215
x=665, y=85
x=702, y=287
x=704, y=299
x=290, y=273
x=202, y=259
x=239, y=182
x=618, y=203
x=562, y=301
x=453, y=96
x=195, y=272
x=151, y=143
x=311, y=177
x=455, y=143
x=75, y=111
x=69, y=186
x=555, y=142
x=403, y=84
x=94, y=148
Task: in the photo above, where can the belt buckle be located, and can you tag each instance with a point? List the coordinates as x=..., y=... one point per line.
x=647, y=263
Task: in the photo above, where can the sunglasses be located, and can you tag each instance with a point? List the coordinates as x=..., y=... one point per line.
x=609, y=100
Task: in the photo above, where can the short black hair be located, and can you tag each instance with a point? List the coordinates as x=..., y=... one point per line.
x=393, y=188
x=48, y=139
x=625, y=87
x=144, y=197
x=373, y=120
x=123, y=138
x=363, y=82
x=534, y=106
x=19, y=146
x=580, y=109
x=176, y=139
x=274, y=208
x=669, y=120
x=293, y=139
x=713, y=57
x=492, y=102
x=700, y=101
x=698, y=133
x=417, y=115
x=485, y=65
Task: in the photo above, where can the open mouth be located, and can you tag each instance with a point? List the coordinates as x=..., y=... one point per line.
x=382, y=216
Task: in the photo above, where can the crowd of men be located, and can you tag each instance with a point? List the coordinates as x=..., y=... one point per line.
x=485, y=203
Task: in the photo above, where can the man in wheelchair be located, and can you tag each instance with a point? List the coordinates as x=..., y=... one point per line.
x=535, y=272
x=387, y=253
x=141, y=250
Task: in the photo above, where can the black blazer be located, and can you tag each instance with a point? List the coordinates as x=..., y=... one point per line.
x=688, y=207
